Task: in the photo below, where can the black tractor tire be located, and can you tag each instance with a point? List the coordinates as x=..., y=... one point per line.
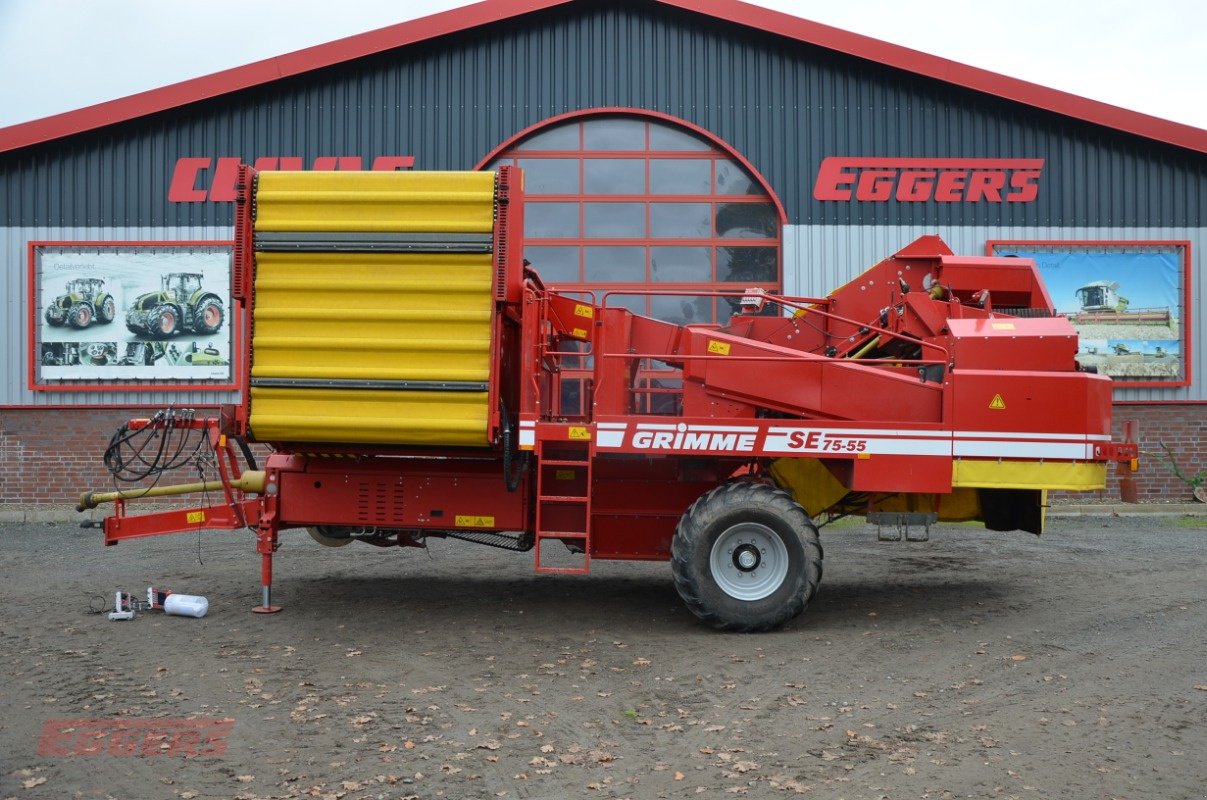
x=165, y=322
x=746, y=557
x=107, y=310
x=53, y=321
x=80, y=316
x=208, y=316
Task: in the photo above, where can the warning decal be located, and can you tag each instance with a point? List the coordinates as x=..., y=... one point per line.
x=471, y=521
x=997, y=403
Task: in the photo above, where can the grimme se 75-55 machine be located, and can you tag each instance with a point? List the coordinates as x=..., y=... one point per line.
x=415, y=378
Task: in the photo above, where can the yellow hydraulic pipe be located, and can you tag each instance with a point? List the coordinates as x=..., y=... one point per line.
x=867, y=348
x=250, y=481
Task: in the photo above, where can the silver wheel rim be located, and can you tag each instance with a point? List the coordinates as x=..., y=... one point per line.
x=749, y=561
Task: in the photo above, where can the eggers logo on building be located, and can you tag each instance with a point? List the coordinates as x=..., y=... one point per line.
x=917, y=180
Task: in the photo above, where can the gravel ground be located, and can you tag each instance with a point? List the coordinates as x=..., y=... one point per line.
x=976, y=665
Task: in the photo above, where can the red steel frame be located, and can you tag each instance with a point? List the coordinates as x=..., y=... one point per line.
x=992, y=245
x=236, y=510
x=35, y=320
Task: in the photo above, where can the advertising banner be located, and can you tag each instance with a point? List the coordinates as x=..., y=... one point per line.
x=1126, y=302
x=119, y=313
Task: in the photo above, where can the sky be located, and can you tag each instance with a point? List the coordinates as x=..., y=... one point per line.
x=60, y=55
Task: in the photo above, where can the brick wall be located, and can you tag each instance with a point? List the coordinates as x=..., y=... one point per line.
x=50, y=456
x=1184, y=429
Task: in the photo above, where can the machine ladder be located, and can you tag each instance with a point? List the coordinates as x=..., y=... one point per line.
x=563, y=498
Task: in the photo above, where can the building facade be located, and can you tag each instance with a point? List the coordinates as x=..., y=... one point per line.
x=671, y=145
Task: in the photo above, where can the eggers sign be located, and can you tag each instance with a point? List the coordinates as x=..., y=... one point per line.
x=917, y=180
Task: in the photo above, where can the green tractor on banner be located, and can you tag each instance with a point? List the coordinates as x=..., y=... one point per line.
x=180, y=306
x=84, y=302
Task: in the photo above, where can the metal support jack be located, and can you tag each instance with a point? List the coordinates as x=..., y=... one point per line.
x=895, y=526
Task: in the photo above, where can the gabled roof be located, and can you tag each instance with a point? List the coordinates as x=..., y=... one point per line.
x=490, y=11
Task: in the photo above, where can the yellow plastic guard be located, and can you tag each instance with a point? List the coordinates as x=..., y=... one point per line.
x=809, y=482
x=411, y=202
x=366, y=316
x=346, y=316
x=369, y=416
x=1079, y=476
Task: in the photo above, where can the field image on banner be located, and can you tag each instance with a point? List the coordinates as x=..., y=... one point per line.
x=113, y=313
x=1126, y=307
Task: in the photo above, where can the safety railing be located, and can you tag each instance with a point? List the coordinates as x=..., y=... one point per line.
x=656, y=388
x=570, y=368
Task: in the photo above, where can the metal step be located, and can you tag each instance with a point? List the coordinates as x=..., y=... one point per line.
x=563, y=510
x=563, y=535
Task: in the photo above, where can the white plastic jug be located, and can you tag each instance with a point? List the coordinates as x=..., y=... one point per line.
x=186, y=605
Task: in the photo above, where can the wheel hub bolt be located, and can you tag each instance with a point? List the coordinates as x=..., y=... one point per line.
x=746, y=558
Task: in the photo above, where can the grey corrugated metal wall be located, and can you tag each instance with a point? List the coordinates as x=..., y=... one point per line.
x=783, y=104
x=449, y=102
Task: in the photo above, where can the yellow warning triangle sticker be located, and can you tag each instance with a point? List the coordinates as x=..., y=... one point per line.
x=997, y=403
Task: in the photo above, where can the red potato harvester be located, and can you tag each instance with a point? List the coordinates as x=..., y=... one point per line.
x=415, y=378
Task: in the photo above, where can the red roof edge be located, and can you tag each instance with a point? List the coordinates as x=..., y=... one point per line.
x=975, y=78
x=488, y=11
x=270, y=69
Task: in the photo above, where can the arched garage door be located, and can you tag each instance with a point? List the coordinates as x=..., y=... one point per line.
x=631, y=200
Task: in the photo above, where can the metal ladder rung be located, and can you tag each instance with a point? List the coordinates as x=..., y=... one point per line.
x=564, y=508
